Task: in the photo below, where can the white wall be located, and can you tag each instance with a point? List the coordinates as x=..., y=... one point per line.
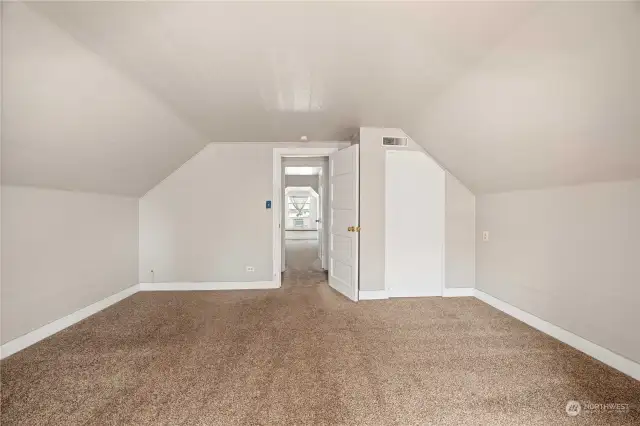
x=414, y=225
x=62, y=251
x=372, y=214
x=569, y=255
x=372, y=204
x=207, y=221
x=460, y=235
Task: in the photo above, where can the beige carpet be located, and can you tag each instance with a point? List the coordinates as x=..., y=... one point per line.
x=302, y=255
x=304, y=355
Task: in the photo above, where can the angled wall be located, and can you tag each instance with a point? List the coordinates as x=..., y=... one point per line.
x=556, y=103
x=73, y=121
x=63, y=251
x=568, y=255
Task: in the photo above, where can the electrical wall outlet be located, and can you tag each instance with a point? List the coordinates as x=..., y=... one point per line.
x=485, y=235
x=251, y=269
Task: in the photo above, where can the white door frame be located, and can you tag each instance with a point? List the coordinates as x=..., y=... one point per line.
x=276, y=202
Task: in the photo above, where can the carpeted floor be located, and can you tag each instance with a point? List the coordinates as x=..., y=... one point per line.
x=305, y=355
x=302, y=255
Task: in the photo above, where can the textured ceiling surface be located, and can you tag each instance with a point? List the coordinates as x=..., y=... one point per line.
x=113, y=96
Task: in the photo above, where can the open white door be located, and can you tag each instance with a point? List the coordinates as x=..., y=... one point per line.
x=324, y=205
x=344, y=204
x=319, y=225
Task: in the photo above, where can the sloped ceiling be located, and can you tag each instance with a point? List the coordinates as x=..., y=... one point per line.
x=113, y=96
x=556, y=103
x=71, y=121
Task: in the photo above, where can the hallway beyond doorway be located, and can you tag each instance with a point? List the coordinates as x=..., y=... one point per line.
x=302, y=255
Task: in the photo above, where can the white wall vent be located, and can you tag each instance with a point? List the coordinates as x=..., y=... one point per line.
x=394, y=141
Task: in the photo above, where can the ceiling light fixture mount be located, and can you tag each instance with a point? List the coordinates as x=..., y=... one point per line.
x=303, y=138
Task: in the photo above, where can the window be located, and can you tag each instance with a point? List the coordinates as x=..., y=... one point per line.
x=298, y=206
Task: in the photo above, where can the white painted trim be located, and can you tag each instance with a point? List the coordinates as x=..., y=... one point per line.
x=278, y=224
x=604, y=355
x=400, y=293
x=195, y=286
x=458, y=292
x=443, y=284
x=373, y=295
x=53, y=327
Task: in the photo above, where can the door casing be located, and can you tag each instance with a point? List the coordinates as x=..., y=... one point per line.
x=277, y=199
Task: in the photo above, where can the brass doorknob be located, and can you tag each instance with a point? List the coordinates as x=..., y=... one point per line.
x=350, y=229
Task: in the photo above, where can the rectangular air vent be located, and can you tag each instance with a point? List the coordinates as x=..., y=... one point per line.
x=394, y=141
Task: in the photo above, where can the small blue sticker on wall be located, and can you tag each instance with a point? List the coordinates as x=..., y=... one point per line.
x=268, y=204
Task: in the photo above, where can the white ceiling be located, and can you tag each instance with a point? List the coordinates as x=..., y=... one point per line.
x=556, y=103
x=69, y=121
x=113, y=96
x=277, y=71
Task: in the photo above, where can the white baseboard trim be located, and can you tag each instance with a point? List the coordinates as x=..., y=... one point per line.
x=53, y=327
x=604, y=355
x=372, y=295
x=383, y=294
x=406, y=294
x=195, y=286
x=458, y=292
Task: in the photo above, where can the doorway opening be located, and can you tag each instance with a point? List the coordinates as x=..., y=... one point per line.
x=338, y=226
x=305, y=208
